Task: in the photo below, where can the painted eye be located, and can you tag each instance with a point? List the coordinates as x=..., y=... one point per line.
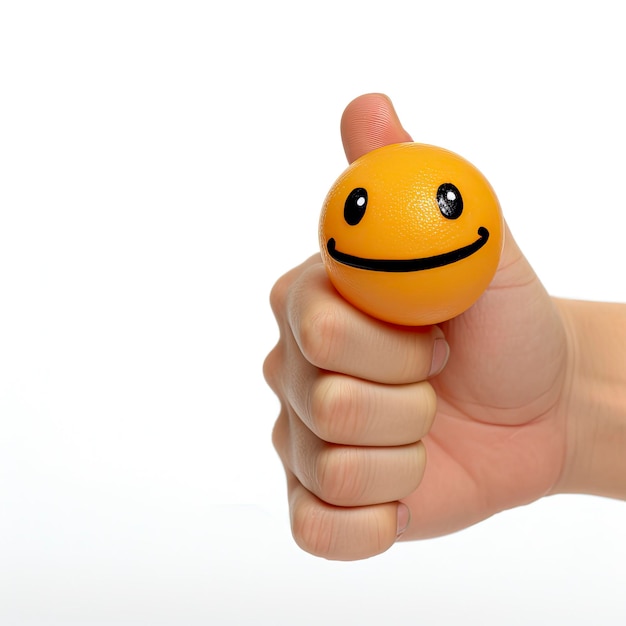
x=354, y=208
x=450, y=201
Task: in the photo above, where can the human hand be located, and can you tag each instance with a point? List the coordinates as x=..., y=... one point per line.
x=386, y=429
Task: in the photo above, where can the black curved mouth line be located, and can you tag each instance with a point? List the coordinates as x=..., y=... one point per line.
x=408, y=265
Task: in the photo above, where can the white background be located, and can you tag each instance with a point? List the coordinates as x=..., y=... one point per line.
x=161, y=164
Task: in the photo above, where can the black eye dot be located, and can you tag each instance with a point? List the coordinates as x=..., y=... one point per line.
x=450, y=201
x=354, y=208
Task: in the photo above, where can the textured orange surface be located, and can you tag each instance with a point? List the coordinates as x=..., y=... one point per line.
x=400, y=244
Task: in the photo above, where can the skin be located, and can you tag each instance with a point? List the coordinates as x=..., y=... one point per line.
x=387, y=431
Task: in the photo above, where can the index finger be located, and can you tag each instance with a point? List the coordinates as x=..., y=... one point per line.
x=335, y=336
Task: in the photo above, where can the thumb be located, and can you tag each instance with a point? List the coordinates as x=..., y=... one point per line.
x=369, y=122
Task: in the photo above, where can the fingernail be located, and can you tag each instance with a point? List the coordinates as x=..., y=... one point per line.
x=404, y=518
x=441, y=351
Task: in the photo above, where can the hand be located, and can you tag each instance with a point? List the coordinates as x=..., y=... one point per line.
x=419, y=431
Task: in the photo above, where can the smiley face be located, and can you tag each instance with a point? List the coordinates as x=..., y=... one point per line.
x=411, y=234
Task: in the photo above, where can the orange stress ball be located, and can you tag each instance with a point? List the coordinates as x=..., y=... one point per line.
x=411, y=234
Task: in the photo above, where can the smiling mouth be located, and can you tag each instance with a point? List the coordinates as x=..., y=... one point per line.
x=408, y=265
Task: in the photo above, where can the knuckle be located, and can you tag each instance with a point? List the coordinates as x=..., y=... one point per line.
x=334, y=409
x=339, y=476
x=278, y=295
x=271, y=366
x=280, y=435
x=321, y=332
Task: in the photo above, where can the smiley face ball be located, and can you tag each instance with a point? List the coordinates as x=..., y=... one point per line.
x=411, y=234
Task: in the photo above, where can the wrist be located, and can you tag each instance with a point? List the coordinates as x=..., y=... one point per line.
x=595, y=399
